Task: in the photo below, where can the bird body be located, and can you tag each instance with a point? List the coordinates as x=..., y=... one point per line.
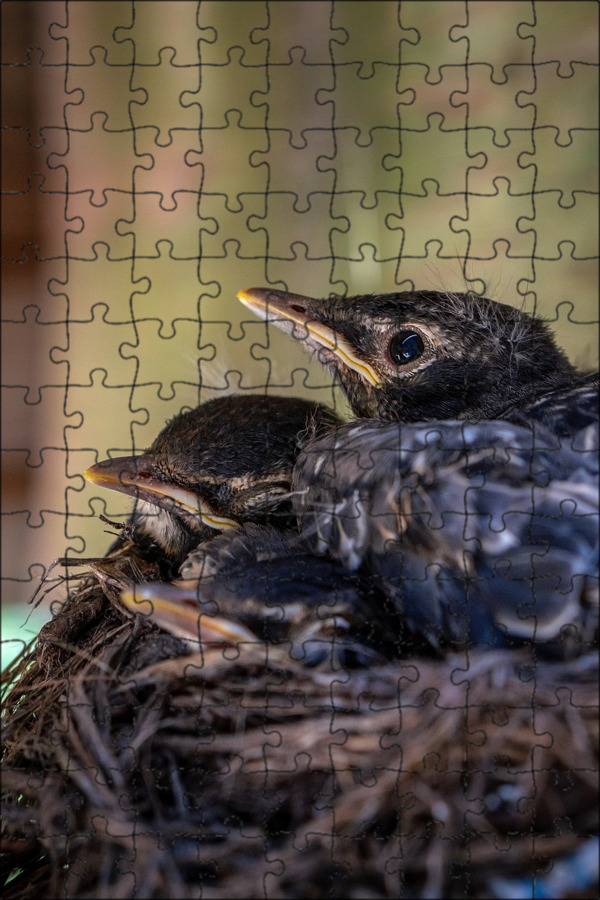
x=481, y=533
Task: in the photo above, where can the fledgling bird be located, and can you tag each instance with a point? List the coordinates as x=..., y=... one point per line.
x=418, y=356
x=226, y=466
x=468, y=490
x=226, y=462
x=268, y=588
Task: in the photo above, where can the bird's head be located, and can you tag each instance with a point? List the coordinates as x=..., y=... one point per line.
x=211, y=469
x=421, y=355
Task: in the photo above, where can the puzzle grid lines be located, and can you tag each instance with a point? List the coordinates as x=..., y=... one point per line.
x=160, y=156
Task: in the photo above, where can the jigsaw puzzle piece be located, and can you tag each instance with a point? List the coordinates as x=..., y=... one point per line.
x=368, y=273
x=162, y=361
x=509, y=161
x=432, y=47
x=296, y=78
x=32, y=275
x=220, y=84
x=42, y=339
x=144, y=429
x=561, y=169
x=305, y=24
x=509, y=105
x=17, y=41
x=40, y=423
x=148, y=207
x=169, y=287
x=227, y=161
x=176, y=166
x=49, y=489
x=302, y=275
x=366, y=46
x=377, y=225
x=311, y=164
x=376, y=97
x=221, y=32
x=95, y=345
x=90, y=163
x=502, y=276
x=417, y=98
x=171, y=102
x=427, y=218
x=226, y=362
x=436, y=155
x=575, y=311
x=99, y=225
x=85, y=287
x=104, y=88
x=153, y=27
x=494, y=218
x=284, y=225
x=109, y=430
x=27, y=554
x=220, y=277
x=86, y=27
x=20, y=159
x=554, y=224
x=362, y=169
x=219, y=226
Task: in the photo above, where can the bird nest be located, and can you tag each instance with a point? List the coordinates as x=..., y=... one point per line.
x=138, y=766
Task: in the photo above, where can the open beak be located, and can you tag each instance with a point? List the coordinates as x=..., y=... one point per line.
x=139, y=477
x=288, y=311
x=176, y=608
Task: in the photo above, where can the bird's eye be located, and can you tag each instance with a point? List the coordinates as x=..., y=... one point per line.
x=406, y=346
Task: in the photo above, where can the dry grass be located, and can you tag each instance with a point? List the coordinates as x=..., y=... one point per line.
x=134, y=767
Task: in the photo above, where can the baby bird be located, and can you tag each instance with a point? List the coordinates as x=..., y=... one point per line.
x=419, y=356
x=226, y=462
x=468, y=492
x=262, y=586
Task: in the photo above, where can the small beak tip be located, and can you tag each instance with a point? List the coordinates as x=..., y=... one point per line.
x=246, y=295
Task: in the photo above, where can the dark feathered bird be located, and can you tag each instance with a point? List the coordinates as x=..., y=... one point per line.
x=480, y=534
x=481, y=522
x=263, y=586
x=223, y=463
x=418, y=356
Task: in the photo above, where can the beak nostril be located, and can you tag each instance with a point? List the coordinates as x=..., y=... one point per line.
x=297, y=308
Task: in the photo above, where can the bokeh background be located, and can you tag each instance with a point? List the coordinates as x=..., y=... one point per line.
x=159, y=156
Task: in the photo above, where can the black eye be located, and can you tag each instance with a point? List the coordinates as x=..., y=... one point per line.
x=406, y=346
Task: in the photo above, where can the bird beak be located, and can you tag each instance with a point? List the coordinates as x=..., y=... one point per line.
x=286, y=311
x=177, y=609
x=139, y=477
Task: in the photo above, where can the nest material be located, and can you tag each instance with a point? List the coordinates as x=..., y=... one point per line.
x=135, y=766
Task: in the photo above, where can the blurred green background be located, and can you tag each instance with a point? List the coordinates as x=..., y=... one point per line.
x=159, y=156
